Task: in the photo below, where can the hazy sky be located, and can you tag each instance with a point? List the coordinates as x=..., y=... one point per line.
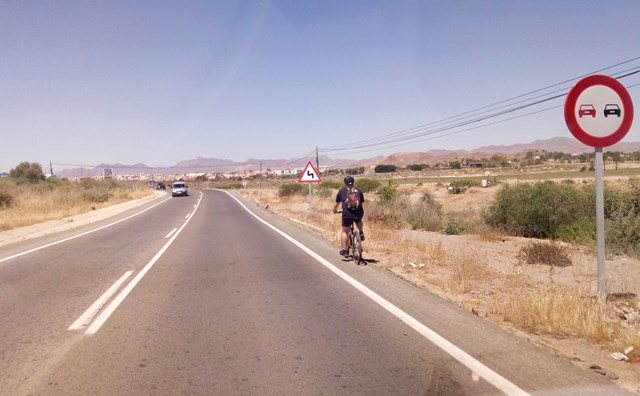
x=157, y=82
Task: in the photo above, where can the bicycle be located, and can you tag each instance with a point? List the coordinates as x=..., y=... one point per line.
x=354, y=241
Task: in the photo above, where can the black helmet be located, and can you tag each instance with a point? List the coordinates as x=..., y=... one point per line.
x=349, y=180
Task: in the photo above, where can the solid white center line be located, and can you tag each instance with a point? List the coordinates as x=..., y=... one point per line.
x=104, y=315
x=86, y=317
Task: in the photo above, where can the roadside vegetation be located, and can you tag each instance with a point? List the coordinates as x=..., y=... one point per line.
x=27, y=197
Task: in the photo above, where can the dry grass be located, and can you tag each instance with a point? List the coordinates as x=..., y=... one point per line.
x=548, y=253
x=33, y=204
x=559, y=311
x=469, y=270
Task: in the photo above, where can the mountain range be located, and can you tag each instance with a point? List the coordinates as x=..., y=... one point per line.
x=402, y=159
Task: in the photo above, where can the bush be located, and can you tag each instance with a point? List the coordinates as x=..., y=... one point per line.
x=6, y=200
x=389, y=193
x=331, y=185
x=460, y=186
x=455, y=227
x=367, y=185
x=354, y=171
x=290, y=189
x=28, y=171
x=96, y=196
x=417, y=167
x=541, y=210
x=425, y=214
x=622, y=220
x=544, y=253
x=385, y=168
x=387, y=215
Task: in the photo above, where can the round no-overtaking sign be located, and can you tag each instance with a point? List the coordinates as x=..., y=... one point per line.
x=598, y=111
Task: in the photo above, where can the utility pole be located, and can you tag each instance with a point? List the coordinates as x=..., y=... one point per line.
x=50, y=168
x=261, y=174
x=317, y=160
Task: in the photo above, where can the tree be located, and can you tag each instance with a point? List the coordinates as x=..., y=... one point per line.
x=385, y=168
x=616, y=156
x=30, y=171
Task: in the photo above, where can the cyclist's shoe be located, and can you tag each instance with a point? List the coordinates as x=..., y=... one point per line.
x=362, y=236
x=344, y=253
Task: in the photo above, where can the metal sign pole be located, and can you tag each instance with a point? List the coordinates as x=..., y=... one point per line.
x=602, y=286
x=310, y=197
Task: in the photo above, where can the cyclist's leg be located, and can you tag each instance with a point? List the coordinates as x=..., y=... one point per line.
x=360, y=226
x=344, y=239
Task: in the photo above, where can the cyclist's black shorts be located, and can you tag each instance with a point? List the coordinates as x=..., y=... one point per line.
x=348, y=222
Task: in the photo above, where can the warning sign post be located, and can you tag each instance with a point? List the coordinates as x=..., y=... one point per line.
x=310, y=175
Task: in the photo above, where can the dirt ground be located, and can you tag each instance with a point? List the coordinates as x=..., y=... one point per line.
x=492, y=271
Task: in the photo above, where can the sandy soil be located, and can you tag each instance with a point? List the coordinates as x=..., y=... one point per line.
x=492, y=271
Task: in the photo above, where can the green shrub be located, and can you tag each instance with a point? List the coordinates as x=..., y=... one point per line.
x=367, y=185
x=28, y=171
x=290, y=189
x=331, y=185
x=460, y=186
x=354, y=171
x=388, y=193
x=385, y=168
x=622, y=220
x=540, y=210
x=455, y=227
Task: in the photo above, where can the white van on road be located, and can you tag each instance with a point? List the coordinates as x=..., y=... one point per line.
x=179, y=188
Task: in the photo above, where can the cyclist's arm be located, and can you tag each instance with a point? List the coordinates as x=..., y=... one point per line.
x=335, y=207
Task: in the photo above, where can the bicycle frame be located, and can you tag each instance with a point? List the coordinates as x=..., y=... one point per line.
x=354, y=243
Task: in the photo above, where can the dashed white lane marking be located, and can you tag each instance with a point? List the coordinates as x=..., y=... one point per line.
x=171, y=233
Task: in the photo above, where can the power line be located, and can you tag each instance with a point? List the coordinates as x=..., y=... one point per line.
x=473, y=116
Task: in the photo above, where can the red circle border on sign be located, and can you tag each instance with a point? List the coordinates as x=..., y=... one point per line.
x=570, y=111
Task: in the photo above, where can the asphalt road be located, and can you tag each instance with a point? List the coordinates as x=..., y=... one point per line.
x=196, y=295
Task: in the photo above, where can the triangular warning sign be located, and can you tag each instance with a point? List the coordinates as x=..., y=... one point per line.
x=309, y=175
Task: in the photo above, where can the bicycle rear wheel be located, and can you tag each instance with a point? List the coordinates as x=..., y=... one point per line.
x=356, y=247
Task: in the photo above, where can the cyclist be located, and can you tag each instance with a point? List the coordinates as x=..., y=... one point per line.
x=351, y=199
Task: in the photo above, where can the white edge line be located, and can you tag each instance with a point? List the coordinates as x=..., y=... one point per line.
x=171, y=233
x=86, y=317
x=461, y=356
x=80, y=235
x=102, y=318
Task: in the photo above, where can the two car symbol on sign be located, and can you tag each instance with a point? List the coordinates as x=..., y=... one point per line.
x=589, y=110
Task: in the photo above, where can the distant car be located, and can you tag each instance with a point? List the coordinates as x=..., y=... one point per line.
x=161, y=186
x=612, y=109
x=179, y=188
x=586, y=110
